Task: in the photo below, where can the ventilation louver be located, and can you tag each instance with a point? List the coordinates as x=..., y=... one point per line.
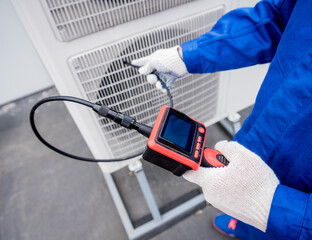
x=72, y=19
x=102, y=77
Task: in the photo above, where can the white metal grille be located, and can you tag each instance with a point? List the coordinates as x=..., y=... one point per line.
x=104, y=78
x=72, y=19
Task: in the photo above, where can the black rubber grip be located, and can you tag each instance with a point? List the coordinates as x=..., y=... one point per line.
x=213, y=158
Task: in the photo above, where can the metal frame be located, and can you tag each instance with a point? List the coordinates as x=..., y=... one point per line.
x=159, y=221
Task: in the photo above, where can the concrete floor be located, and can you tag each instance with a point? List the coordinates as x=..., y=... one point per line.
x=44, y=195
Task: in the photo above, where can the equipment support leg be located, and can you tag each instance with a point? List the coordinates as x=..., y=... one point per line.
x=137, y=168
x=122, y=211
x=231, y=124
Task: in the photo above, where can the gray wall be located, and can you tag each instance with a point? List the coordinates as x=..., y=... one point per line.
x=21, y=70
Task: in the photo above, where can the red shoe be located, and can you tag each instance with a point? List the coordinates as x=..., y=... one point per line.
x=225, y=224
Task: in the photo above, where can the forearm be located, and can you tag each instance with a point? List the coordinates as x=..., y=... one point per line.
x=290, y=214
x=241, y=38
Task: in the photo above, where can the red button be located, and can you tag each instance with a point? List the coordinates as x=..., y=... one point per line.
x=199, y=139
x=201, y=130
x=196, y=154
x=197, y=146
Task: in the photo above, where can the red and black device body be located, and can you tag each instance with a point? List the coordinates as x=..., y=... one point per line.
x=177, y=141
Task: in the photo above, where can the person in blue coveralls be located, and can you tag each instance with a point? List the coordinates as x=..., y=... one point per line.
x=266, y=188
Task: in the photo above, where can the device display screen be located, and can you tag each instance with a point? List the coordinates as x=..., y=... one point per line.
x=179, y=131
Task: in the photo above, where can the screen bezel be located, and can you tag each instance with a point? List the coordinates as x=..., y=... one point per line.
x=171, y=144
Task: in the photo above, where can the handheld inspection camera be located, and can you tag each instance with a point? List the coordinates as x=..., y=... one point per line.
x=177, y=142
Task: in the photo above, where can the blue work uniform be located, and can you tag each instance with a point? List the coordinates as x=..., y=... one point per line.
x=279, y=128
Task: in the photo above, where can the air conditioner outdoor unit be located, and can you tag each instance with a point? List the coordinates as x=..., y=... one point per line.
x=83, y=44
x=91, y=66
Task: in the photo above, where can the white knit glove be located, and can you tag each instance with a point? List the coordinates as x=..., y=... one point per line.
x=244, y=189
x=166, y=63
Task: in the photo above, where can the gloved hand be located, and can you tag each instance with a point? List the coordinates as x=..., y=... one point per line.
x=244, y=189
x=166, y=63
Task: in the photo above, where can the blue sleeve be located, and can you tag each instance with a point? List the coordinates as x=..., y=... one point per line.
x=290, y=215
x=241, y=38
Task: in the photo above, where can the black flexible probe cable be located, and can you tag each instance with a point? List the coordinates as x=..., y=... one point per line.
x=75, y=100
x=124, y=120
x=158, y=79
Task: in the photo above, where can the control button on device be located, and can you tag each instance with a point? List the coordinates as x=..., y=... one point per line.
x=197, y=146
x=196, y=154
x=201, y=130
x=199, y=139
